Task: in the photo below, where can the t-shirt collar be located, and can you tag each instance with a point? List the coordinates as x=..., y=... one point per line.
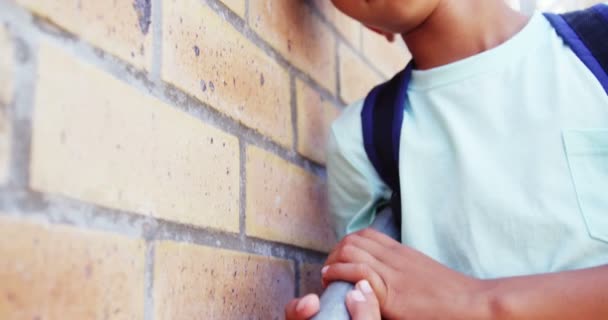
x=501, y=55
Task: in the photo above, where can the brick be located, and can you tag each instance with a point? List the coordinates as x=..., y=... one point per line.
x=206, y=57
x=356, y=77
x=238, y=6
x=59, y=272
x=350, y=29
x=101, y=141
x=390, y=58
x=300, y=36
x=285, y=203
x=6, y=90
x=194, y=282
x=120, y=27
x=310, y=279
x=315, y=116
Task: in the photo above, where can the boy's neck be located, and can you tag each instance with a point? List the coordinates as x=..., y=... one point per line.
x=458, y=29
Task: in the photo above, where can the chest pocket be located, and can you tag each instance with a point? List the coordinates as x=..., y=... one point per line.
x=587, y=152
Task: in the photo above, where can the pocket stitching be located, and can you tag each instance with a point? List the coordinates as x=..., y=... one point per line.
x=583, y=152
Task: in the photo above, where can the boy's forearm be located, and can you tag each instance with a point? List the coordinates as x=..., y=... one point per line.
x=580, y=294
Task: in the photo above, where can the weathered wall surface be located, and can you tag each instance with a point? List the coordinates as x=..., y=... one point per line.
x=164, y=159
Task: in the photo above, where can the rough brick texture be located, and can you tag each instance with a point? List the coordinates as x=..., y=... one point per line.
x=101, y=141
x=390, y=58
x=237, y=6
x=195, y=282
x=225, y=69
x=293, y=30
x=355, y=76
x=315, y=116
x=55, y=272
x=347, y=27
x=122, y=27
x=310, y=279
x=285, y=203
x=6, y=90
x=171, y=152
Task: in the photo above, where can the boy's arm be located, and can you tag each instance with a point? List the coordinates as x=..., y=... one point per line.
x=579, y=294
x=354, y=188
x=410, y=285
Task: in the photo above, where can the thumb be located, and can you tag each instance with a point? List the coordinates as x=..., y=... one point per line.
x=303, y=308
x=362, y=303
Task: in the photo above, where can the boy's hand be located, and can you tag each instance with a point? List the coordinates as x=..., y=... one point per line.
x=408, y=284
x=361, y=303
x=302, y=308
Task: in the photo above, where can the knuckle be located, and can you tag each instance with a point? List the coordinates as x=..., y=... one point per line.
x=363, y=271
x=366, y=233
x=349, y=239
x=396, y=246
x=346, y=253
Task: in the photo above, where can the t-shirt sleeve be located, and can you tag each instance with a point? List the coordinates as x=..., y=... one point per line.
x=354, y=188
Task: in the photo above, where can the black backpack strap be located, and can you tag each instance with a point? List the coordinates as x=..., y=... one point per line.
x=382, y=118
x=586, y=33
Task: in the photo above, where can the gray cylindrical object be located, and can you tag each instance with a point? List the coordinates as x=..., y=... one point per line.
x=332, y=300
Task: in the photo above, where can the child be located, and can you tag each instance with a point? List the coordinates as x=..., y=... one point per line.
x=503, y=174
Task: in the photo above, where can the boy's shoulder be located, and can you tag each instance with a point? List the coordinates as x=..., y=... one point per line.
x=346, y=134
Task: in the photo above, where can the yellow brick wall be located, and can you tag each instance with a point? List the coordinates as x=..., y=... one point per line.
x=164, y=159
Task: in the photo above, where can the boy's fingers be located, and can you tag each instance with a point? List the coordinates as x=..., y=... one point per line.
x=354, y=273
x=367, y=290
x=290, y=309
x=303, y=308
x=362, y=303
x=353, y=253
x=365, y=246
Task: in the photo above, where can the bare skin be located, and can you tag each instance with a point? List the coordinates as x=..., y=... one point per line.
x=408, y=284
x=438, y=32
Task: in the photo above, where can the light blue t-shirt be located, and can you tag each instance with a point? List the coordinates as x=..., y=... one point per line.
x=503, y=161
